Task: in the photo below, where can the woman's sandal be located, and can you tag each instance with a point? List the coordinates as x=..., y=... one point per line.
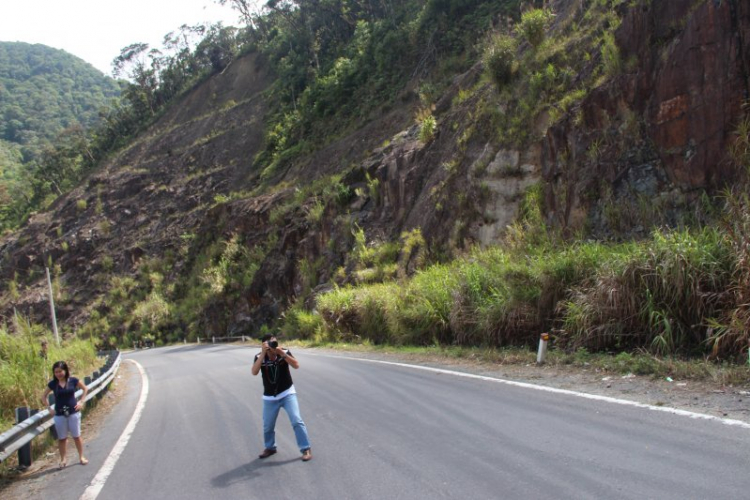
x=84, y=461
x=62, y=465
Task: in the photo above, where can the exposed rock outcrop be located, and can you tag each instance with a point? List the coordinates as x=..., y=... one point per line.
x=647, y=140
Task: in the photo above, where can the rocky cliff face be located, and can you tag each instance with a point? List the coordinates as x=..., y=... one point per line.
x=636, y=152
x=659, y=132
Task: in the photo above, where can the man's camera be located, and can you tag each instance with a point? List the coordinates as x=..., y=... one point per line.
x=273, y=344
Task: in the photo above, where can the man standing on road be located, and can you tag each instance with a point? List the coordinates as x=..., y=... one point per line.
x=273, y=363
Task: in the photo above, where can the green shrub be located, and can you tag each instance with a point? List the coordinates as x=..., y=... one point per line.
x=534, y=24
x=427, y=129
x=500, y=60
x=302, y=324
x=658, y=295
x=152, y=311
x=611, y=59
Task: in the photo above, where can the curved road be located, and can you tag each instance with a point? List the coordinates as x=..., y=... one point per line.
x=384, y=431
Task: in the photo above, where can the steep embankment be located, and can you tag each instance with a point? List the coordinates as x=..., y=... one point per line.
x=147, y=196
x=623, y=120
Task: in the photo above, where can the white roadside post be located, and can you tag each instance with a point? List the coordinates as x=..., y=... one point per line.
x=542, y=353
x=52, y=308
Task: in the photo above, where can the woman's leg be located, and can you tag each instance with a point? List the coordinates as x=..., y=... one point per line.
x=62, y=446
x=79, y=446
x=74, y=424
x=61, y=428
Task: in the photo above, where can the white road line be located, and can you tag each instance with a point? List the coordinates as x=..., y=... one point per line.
x=525, y=385
x=97, y=483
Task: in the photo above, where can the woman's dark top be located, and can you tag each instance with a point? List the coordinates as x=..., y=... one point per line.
x=64, y=396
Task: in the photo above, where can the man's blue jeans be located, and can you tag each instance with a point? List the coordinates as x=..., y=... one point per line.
x=271, y=411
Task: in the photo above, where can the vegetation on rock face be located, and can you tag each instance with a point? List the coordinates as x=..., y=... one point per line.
x=337, y=64
x=56, y=149
x=355, y=57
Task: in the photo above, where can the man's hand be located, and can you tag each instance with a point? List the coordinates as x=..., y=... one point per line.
x=264, y=348
x=280, y=352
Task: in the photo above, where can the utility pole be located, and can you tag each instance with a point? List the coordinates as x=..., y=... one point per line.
x=52, y=307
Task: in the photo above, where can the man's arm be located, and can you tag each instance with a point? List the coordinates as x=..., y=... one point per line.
x=259, y=361
x=256, y=366
x=288, y=358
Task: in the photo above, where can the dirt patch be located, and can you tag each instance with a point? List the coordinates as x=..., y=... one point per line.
x=29, y=482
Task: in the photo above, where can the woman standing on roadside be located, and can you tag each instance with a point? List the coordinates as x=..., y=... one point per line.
x=67, y=409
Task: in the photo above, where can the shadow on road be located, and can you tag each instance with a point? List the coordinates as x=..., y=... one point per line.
x=50, y=469
x=246, y=472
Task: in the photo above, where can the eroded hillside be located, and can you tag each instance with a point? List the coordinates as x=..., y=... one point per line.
x=617, y=124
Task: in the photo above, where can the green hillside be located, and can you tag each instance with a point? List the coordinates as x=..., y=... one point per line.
x=430, y=172
x=45, y=90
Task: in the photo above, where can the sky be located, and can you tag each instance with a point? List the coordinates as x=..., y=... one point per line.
x=96, y=30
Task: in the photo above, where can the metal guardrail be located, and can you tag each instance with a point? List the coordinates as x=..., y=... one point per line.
x=214, y=340
x=23, y=433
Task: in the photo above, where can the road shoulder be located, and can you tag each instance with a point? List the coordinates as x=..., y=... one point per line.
x=711, y=398
x=100, y=428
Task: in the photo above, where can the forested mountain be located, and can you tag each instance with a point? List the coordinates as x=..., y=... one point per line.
x=45, y=90
x=421, y=171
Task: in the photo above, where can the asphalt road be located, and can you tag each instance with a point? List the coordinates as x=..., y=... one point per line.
x=380, y=431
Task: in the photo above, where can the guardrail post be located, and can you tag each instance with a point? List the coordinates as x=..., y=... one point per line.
x=24, y=452
x=213, y=340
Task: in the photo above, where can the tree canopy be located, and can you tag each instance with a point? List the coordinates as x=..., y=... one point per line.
x=44, y=91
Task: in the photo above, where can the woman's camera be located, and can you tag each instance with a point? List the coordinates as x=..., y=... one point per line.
x=65, y=411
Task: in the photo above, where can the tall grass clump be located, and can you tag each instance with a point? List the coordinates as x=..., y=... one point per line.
x=661, y=295
x=492, y=297
x=427, y=128
x=24, y=373
x=365, y=312
x=534, y=24
x=500, y=60
x=680, y=292
x=299, y=323
x=730, y=334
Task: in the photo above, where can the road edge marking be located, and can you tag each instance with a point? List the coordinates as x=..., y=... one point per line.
x=555, y=390
x=96, y=485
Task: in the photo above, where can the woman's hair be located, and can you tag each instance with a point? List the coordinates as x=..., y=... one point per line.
x=62, y=365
